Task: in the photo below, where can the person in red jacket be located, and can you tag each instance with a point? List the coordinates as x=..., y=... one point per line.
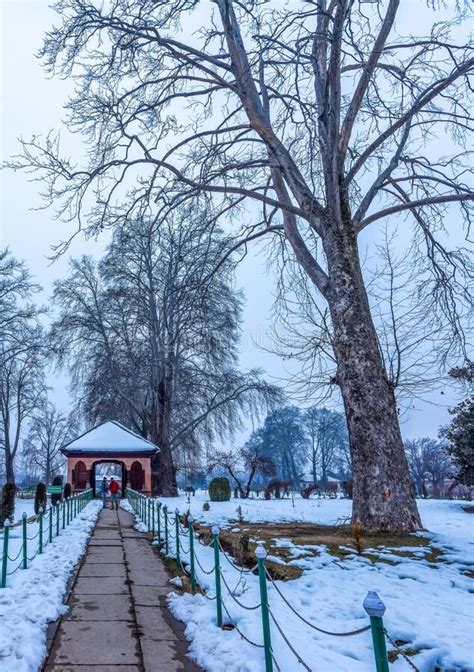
x=114, y=488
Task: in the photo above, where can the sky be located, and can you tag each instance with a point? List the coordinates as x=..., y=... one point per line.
x=33, y=104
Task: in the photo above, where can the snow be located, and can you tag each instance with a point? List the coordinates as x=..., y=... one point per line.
x=34, y=597
x=428, y=604
x=24, y=506
x=110, y=437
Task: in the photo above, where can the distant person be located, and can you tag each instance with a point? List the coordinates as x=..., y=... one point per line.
x=114, y=488
x=103, y=491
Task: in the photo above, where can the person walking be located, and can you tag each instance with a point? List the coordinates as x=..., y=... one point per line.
x=114, y=488
x=103, y=491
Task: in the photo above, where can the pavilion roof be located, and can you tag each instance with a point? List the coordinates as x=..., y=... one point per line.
x=109, y=437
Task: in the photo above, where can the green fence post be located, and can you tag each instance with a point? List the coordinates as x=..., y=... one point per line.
x=165, y=513
x=375, y=608
x=57, y=520
x=40, y=520
x=50, y=523
x=25, y=541
x=217, y=573
x=261, y=554
x=191, y=553
x=159, y=521
x=153, y=519
x=176, y=524
x=6, y=534
x=148, y=508
x=68, y=504
x=64, y=514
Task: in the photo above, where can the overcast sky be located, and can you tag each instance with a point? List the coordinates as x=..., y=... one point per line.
x=32, y=104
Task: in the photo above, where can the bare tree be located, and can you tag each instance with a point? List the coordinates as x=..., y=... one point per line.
x=429, y=463
x=48, y=431
x=22, y=388
x=22, y=349
x=324, y=114
x=327, y=433
x=250, y=459
x=151, y=336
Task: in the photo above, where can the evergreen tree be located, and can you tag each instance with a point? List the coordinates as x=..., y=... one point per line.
x=460, y=432
x=284, y=441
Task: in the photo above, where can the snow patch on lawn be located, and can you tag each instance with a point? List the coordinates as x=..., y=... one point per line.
x=34, y=597
x=429, y=605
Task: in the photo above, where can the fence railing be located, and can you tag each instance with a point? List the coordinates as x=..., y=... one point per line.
x=168, y=528
x=50, y=523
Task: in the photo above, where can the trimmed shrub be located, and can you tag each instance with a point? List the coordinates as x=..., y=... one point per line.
x=219, y=489
x=41, y=497
x=67, y=491
x=7, y=505
x=55, y=499
x=206, y=506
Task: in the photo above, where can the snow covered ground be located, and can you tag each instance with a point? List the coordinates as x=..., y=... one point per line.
x=34, y=597
x=24, y=506
x=429, y=604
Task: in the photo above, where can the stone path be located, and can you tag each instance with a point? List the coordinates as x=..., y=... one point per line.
x=118, y=619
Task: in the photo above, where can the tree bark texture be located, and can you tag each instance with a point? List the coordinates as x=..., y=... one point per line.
x=383, y=497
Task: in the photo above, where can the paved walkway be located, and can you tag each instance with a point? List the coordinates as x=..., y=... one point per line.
x=118, y=619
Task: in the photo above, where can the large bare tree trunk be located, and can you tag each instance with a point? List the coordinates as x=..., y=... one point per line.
x=9, y=469
x=383, y=492
x=163, y=472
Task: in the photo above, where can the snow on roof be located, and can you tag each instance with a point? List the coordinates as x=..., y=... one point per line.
x=109, y=437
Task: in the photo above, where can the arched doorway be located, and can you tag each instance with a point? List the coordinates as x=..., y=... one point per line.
x=110, y=469
x=137, y=476
x=80, y=475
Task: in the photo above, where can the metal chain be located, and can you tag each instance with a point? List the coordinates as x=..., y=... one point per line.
x=202, y=568
x=257, y=606
x=288, y=643
x=211, y=599
x=325, y=632
x=16, y=569
x=401, y=652
x=17, y=555
x=244, y=570
x=275, y=661
x=259, y=646
x=184, y=568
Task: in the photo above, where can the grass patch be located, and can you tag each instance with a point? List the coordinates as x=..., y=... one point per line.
x=339, y=541
x=393, y=655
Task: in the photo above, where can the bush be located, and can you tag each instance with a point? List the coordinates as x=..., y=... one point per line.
x=55, y=499
x=206, y=506
x=67, y=491
x=41, y=497
x=219, y=489
x=7, y=505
